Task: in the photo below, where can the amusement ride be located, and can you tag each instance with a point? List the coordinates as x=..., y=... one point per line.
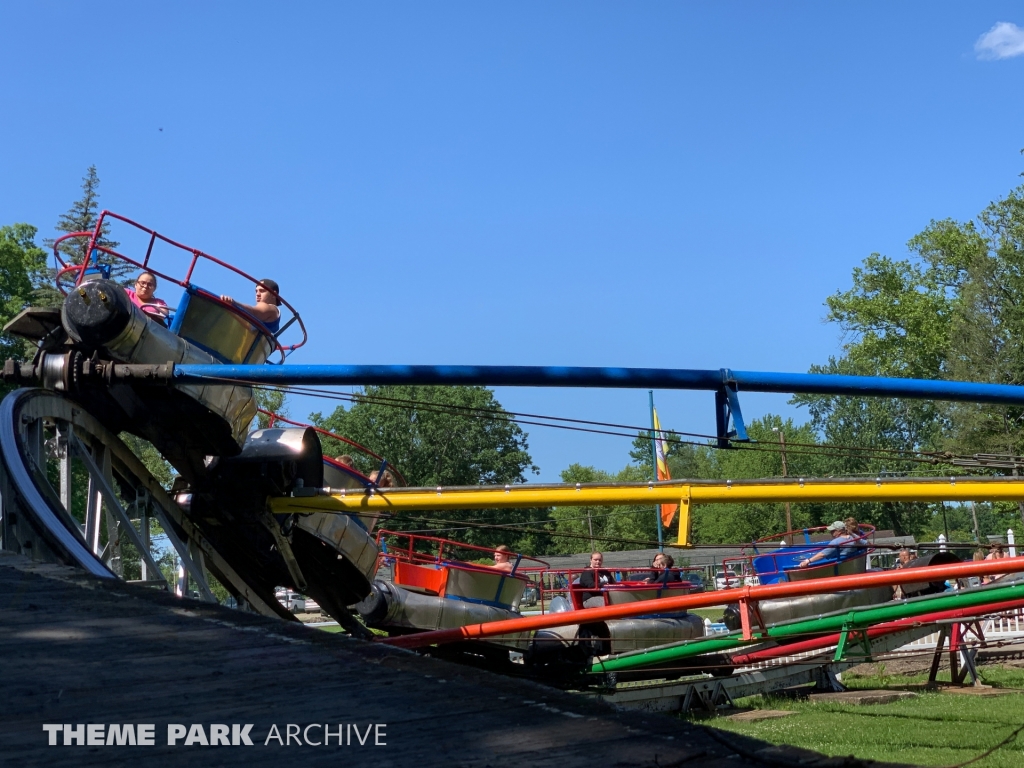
x=267, y=508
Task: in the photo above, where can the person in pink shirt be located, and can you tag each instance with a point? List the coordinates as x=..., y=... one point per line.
x=144, y=297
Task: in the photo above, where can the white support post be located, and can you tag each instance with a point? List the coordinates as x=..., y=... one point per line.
x=181, y=589
x=144, y=530
x=1010, y=541
x=64, y=456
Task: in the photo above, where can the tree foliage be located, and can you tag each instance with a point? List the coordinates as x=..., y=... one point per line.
x=602, y=528
x=447, y=436
x=82, y=217
x=953, y=310
x=22, y=272
x=271, y=400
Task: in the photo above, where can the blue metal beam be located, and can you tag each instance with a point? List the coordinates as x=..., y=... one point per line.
x=720, y=380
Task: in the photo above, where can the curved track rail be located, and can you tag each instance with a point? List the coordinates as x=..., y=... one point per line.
x=63, y=475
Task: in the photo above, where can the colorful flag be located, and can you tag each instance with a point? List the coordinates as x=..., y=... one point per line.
x=668, y=511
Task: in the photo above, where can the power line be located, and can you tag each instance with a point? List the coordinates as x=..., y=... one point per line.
x=922, y=457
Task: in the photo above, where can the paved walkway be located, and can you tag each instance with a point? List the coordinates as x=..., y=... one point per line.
x=78, y=651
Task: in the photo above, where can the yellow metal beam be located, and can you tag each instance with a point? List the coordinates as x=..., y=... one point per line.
x=675, y=492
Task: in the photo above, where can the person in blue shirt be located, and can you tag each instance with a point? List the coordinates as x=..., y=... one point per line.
x=266, y=309
x=842, y=533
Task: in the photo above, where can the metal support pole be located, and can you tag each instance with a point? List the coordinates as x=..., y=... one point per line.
x=617, y=378
x=64, y=430
x=142, y=503
x=785, y=473
x=105, y=489
x=654, y=470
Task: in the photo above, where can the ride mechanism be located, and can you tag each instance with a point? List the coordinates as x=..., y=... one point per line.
x=267, y=508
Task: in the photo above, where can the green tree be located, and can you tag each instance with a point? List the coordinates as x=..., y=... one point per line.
x=269, y=399
x=602, y=528
x=22, y=268
x=762, y=458
x=82, y=217
x=954, y=309
x=986, y=341
x=443, y=436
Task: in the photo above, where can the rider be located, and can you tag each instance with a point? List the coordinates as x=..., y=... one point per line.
x=663, y=573
x=502, y=558
x=268, y=297
x=143, y=296
x=594, y=578
x=841, y=531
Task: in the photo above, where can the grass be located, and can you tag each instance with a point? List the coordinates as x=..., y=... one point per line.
x=715, y=614
x=933, y=729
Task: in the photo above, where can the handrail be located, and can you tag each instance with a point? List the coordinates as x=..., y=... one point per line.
x=559, y=581
x=409, y=554
x=197, y=255
x=867, y=528
x=858, y=545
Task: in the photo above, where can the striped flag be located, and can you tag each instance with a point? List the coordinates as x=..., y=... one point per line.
x=668, y=511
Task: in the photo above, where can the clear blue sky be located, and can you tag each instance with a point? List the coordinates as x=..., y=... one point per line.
x=639, y=184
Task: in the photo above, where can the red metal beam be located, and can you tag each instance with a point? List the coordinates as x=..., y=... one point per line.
x=803, y=646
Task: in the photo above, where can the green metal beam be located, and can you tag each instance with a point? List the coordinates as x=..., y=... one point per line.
x=861, y=617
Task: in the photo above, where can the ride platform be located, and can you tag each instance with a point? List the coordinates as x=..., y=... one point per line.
x=79, y=649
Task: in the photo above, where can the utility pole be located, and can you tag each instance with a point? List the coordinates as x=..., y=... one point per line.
x=785, y=472
x=590, y=526
x=974, y=514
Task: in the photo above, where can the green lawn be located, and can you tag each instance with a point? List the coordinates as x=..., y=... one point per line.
x=933, y=729
x=715, y=614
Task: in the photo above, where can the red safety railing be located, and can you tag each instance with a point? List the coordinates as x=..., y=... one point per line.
x=745, y=595
x=417, y=549
x=274, y=418
x=564, y=582
x=739, y=571
x=196, y=256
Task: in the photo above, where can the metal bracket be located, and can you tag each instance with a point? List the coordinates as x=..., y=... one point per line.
x=727, y=408
x=852, y=634
x=285, y=548
x=825, y=680
x=104, y=488
x=751, y=609
x=961, y=655
x=718, y=696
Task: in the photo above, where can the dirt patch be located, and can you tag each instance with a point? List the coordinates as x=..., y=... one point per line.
x=753, y=715
x=860, y=698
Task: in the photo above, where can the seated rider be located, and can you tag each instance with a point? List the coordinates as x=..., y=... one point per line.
x=662, y=573
x=840, y=530
x=268, y=297
x=502, y=558
x=595, y=579
x=143, y=297
x=387, y=480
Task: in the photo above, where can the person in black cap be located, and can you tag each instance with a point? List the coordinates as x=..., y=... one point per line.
x=266, y=307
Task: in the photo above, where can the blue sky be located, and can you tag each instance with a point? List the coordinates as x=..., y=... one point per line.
x=639, y=184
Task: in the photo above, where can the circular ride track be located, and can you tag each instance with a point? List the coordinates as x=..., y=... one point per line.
x=71, y=489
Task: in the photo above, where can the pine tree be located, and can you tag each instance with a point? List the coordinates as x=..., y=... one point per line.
x=81, y=217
